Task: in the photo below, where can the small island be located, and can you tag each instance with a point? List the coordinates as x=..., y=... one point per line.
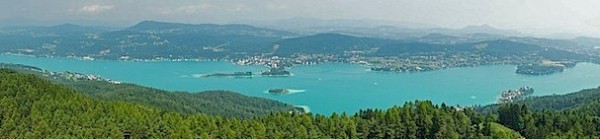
x=235, y=74
x=279, y=91
x=508, y=96
x=272, y=72
x=276, y=72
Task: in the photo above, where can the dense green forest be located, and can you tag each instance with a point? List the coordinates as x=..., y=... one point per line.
x=553, y=102
x=31, y=107
x=222, y=103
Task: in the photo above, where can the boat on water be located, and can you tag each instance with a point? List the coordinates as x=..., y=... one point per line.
x=508, y=96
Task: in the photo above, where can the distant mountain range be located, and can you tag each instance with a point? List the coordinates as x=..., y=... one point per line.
x=152, y=39
x=63, y=29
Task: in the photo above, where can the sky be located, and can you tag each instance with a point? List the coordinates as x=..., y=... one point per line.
x=556, y=16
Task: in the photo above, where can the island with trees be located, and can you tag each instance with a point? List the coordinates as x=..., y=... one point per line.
x=544, y=68
x=276, y=72
x=508, y=96
x=235, y=74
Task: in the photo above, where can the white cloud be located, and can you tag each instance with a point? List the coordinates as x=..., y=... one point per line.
x=277, y=6
x=191, y=9
x=240, y=8
x=96, y=8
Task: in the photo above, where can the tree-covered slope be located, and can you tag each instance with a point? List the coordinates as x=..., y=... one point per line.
x=572, y=123
x=219, y=102
x=554, y=102
x=145, y=40
x=339, y=44
x=34, y=108
x=574, y=115
x=327, y=43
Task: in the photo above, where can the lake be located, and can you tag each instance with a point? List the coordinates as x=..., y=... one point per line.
x=332, y=87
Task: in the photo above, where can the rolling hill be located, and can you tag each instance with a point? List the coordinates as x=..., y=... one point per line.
x=162, y=40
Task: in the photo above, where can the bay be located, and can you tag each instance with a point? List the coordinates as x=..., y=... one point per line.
x=332, y=87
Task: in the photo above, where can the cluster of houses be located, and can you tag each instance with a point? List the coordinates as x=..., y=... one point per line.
x=508, y=96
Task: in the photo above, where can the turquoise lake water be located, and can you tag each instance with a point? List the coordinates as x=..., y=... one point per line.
x=332, y=87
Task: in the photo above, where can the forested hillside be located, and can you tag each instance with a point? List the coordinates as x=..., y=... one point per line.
x=574, y=115
x=218, y=102
x=572, y=124
x=554, y=102
x=34, y=108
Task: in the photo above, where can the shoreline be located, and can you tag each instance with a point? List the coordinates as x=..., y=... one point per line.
x=369, y=67
x=200, y=76
x=305, y=108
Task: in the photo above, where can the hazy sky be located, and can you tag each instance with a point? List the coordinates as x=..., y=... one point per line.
x=556, y=15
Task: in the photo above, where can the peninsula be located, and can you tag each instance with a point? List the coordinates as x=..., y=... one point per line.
x=544, y=68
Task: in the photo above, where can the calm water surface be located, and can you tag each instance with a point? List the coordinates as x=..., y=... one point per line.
x=332, y=87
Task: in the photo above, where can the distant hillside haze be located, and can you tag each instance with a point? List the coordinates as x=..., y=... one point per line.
x=327, y=43
x=212, y=29
x=153, y=39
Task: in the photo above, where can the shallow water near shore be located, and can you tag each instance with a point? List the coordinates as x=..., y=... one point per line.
x=333, y=87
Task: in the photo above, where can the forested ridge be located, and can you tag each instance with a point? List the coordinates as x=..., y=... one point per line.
x=217, y=102
x=553, y=102
x=31, y=107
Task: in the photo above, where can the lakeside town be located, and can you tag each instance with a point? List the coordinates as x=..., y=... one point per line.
x=417, y=63
x=529, y=65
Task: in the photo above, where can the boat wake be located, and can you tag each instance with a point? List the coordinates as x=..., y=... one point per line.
x=290, y=91
x=304, y=107
x=198, y=75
